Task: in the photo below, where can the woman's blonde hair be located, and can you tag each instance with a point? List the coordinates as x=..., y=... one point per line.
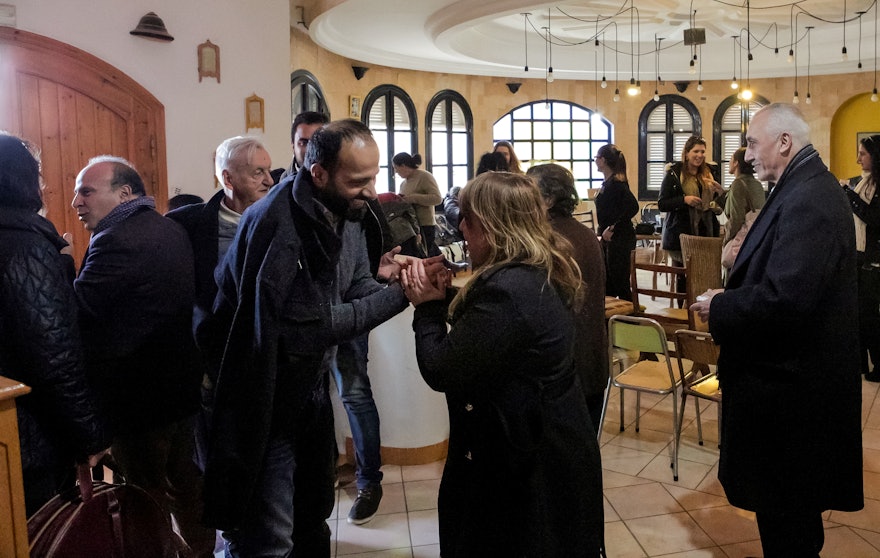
x=509, y=208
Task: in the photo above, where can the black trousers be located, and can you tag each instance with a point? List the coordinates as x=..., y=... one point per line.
x=791, y=534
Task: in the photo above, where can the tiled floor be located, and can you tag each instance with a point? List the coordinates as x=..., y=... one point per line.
x=646, y=513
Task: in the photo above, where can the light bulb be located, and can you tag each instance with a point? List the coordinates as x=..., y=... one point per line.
x=809, y=98
x=874, y=95
x=747, y=94
x=776, y=51
x=526, y=69
x=693, y=69
x=795, y=100
x=550, y=75
x=604, y=83
x=843, y=55
x=632, y=90
x=734, y=84
x=700, y=85
x=790, y=56
x=656, y=95
x=616, y=95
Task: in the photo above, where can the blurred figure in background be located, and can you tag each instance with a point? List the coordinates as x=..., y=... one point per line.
x=420, y=189
x=506, y=148
x=615, y=207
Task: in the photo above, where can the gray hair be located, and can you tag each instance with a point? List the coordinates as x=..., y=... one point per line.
x=123, y=173
x=785, y=117
x=231, y=149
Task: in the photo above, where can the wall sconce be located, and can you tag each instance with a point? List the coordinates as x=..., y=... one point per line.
x=681, y=86
x=151, y=26
x=209, y=60
x=513, y=86
x=359, y=71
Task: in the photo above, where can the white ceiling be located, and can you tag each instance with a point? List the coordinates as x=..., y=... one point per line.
x=488, y=37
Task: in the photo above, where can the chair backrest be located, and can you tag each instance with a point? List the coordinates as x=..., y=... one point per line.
x=673, y=317
x=703, y=254
x=634, y=333
x=583, y=213
x=697, y=347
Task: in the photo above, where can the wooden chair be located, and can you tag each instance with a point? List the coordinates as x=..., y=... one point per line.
x=646, y=336
x=583, y=213
x=699, y=379
x=703, y=257
x=672, y=318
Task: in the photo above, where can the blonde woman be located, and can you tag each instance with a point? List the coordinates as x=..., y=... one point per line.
x=523, y=473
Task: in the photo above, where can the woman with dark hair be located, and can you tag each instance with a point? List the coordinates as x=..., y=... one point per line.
x=58, y=422
x=863, y=197
x=419, y=189
x=745, y=194
x=489, y=162
x=615, y=207
x=591, y=350
x=506, y=149
x=523, y=474
x=687, y=195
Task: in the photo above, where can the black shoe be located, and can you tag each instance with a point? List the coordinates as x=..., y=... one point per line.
x=873, y=375
x=366, y=504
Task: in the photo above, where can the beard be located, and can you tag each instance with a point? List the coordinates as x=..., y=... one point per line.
x=350, y=210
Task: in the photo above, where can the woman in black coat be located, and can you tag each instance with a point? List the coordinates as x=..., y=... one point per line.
x=615, y=208
x=58, y=421
x=523, y=473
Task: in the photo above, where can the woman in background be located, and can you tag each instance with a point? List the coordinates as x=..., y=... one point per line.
x=523, y=473
x=745, y=194
x=420, y=189
x=687, y=195
x=615, y=207
x=58, y=421
x=494, y=162
x=863, y=197
x=506, y=149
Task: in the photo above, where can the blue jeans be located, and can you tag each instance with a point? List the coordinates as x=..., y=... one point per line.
x=350, y=372
x=294, y=494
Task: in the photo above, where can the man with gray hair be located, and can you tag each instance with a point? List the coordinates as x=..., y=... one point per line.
x=791, y=443
x=135, y=293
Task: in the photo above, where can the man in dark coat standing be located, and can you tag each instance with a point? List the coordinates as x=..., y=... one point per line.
x=135, y=297
x=789, y=366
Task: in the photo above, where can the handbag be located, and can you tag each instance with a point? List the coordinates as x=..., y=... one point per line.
x=731, y=250
x=100, y=519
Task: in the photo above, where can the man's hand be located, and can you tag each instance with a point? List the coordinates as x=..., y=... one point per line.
x=425, y=280
x=704, y=301
x=389, y=266
x=69, y=248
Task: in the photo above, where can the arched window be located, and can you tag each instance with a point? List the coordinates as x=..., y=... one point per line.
x=729, y=126
x=391, y=115
x=449, y=139
x=664, y=127
x=557, y=132
x=306, y=94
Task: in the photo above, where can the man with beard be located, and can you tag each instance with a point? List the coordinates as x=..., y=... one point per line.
x=295, y=282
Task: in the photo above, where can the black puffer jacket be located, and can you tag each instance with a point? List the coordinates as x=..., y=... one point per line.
x=40, y=346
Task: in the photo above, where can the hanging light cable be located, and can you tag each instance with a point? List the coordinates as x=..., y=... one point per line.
x=733, y=82
x=700, y=62
x=632, y=90
x=795, y=100
x=656, y=67
x=874, y=92
x=860, y=14
x=616, y=97
x=604, y=81
x=549, y=50
x=526, y=38
x=791, y=20
x=843, y=55
x=809, y=58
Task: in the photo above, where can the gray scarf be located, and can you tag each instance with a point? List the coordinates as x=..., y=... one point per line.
x=123, y=211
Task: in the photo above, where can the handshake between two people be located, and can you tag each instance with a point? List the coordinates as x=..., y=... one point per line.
x=422, y=279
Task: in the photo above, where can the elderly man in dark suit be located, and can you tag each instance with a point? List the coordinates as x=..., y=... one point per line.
x=789, y=366
x=135, y=297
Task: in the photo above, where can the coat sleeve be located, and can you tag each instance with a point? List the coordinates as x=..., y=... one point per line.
x=867, y=212
x=671, y=198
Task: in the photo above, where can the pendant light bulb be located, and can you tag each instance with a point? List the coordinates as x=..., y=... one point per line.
x=700, y=85
x=656, y=95
x=809, y=100
x=550, y=74
x=747, y=94
x=843, y=55
x=616, y=97
x=692, y=69
x=874, y=95
x=795, y=100
x=604, y=83
x=790, y=56
x=734, y=84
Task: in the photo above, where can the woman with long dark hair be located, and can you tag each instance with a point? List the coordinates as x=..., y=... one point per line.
x=615, y=207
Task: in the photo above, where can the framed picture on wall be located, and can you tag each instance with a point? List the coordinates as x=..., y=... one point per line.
x=354, y=107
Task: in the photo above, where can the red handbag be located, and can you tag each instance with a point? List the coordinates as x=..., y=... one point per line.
x=97, y=519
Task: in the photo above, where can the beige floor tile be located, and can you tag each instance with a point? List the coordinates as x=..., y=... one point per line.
x=383, y=532
x=426, y=551
x=743, y=550
x=428, y=471
x=727, y=524
x=422, y=495
x=690, y=474
x=871, y=460
x=405, y=552
x=711, y=484
x=647, y=440
x=620, y=543
x=665, y=534
x=423, y=527
x=868, y=518
x=842, y=542
x=391, y=474
x=613, y=479
x=872, y=537
x=641, y=501
x=393, y=500
x=610, y=514
x=871, y=438
x=713, y=552
x=694, y=499
x=872, y=485
x=691, y=450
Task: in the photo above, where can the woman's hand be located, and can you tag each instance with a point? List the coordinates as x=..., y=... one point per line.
x=608, y=233
x=716, y=187
x=425, y=280
x=693, y=201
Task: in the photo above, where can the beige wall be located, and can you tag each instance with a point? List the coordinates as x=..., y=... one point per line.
x=490, y=99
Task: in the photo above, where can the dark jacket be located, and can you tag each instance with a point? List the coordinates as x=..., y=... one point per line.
x=40, y=347
x=616, y=205
x=523, y=474
x=789, y=364
x=870, y=214
x=280, y=300
x=671, y=201
x=591, y=347
x=135, y=293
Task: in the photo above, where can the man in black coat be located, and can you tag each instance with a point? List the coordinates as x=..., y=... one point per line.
x=135, y=294
x=789, y=367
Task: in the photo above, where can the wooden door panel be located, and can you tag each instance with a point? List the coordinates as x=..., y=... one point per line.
x=75, y=106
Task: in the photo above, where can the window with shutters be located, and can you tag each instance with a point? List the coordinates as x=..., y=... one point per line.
x=391, y=115
x=557, y=132
x=729, y=127
x=449, y=140
x=664, y=127
x=306, y=94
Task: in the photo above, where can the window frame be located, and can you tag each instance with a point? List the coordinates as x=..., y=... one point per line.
x=449, y=96
x=718, y=131
x=668, y=101
x=303, y=79
x=389, y=92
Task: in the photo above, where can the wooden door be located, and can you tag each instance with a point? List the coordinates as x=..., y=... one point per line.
x=75, y=106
